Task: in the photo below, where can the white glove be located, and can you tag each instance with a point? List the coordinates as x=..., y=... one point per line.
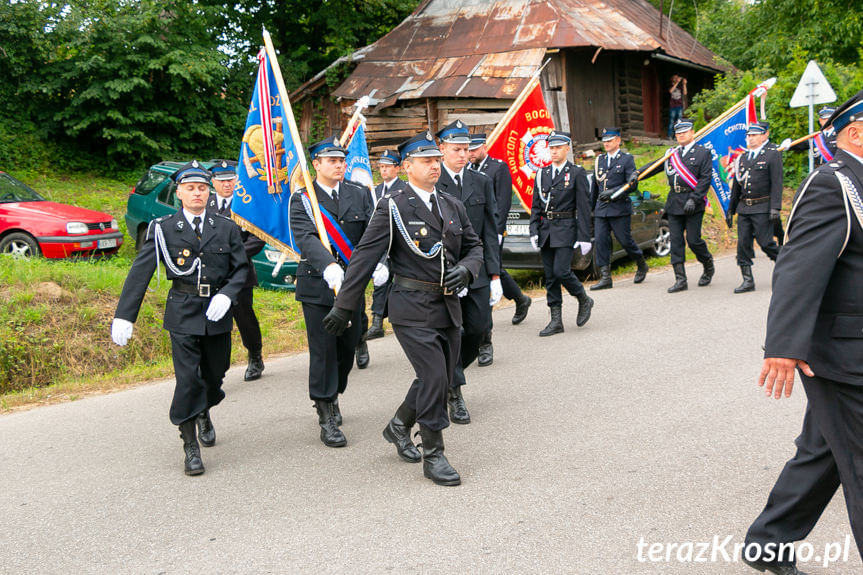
x=334, y=275
x=534, y=241
x=496, y=292
x=381, y=275
x=462, y=293
x=219, y=306
x=499, y=239
x=786, y=143
x=583, y=246
x=121, y=331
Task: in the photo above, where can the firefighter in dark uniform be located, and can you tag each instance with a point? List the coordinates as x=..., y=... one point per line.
x=388, y=166
x=814, y=326
x=826, y=139
x=687, y=198
x=756, y=196
x=224, y=178
x=434, y=254
x=560, y=222
x=502, y=180
x=203, y=255
x=476, y=192
x=613, y=169
x=319, y=272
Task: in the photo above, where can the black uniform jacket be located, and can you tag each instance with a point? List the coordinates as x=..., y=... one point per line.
x=224, y=268
x=252, y=243
x=502, y=180
x=396, y=186
x=353, y=212
x=611, y=178
x=760, y=177
x=569, y=193
x=699, y=162
x=477, y=195
x=816, y=311
x=406, y=306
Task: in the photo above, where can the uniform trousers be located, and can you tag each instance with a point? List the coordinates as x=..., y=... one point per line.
x=379, y=298
x=433, y=353
x=511, y=290
x=557, y=264
x=330, y=357
x=837, y=411
x=200, y=363
x=754, y=227
x=801, y=493
x=622, y=228
x=690, y=224
x=476, y=321
x=247, y=321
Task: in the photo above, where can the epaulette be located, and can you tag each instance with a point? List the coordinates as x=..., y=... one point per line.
x=223, y=216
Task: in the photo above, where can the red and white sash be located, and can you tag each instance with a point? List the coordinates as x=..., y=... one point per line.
x=681, y=169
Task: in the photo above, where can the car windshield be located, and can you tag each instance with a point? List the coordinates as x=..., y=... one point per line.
x=11, y=190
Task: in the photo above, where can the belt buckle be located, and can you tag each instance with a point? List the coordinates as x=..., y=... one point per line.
x=447, y=291
x=549, y=215
x=748, y=202
x=204, y=290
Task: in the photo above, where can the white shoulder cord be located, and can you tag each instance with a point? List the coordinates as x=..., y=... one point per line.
x=856, y=202
x=436, y=249
x=162, y=249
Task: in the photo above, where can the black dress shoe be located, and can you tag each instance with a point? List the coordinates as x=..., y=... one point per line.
x=206, y=431
x=521, y=307
x=254, y=369
x=775, y=568
x=362, y=355
x=458, y=412
x=193, y=465
x=485, y=355
x=331, y=435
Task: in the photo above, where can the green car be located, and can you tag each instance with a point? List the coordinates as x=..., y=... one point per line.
x=154, y=196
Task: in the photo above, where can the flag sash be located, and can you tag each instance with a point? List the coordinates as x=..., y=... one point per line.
x=337, y=236
x=821, y=144
x=264, y=104
x=681, y=169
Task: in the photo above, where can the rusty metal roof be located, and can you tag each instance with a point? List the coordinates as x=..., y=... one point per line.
x=489, y=48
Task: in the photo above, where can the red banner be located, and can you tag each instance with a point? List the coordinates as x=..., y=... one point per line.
x=522, y=141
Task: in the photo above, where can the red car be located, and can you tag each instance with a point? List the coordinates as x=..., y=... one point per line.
x=30, y=225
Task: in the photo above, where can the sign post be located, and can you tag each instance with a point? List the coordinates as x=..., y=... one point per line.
x=812, y=89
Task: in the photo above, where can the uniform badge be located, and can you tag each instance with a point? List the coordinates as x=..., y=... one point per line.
x=424, y=232
x=180, y=225
x=212, y=223
x=417, y=243
x=566, y=179
x=187, y=253
x=181, y=261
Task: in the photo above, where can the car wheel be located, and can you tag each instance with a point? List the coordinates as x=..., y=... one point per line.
x=20, y=245
x=662, y=241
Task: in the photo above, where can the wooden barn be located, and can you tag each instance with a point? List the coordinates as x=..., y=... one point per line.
x=610, y=64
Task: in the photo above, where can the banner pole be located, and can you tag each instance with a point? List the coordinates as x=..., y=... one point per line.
x=525, y=92
x=295, y=136
x=361, y=104
x=799, y=141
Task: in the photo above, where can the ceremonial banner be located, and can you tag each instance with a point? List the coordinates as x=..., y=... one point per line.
x=726, y=141
x=358, y=167
x=269, y=166
x=520, y=140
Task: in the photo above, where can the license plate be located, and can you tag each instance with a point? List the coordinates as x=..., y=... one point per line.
x=102, y=244
x=517, y=229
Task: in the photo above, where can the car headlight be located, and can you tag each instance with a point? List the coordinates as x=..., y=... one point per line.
x=114, y=225
x=76, y=228
x=272, y=255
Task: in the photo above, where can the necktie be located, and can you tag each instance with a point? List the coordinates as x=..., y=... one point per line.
x=196, y=223
x=610, y=160
x=335, y=195
x=554, y=172
x=223, y=207
x=751, y=155
x=435, y=210
x=457, y=183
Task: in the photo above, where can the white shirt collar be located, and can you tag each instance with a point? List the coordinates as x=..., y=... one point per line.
x=424, y=195
x=855, y=156
x=190, y=216
x=388, y=185
x=220, y=200
x=687, y=148
x=758, y=149
x=328, y=191
x=452, y=174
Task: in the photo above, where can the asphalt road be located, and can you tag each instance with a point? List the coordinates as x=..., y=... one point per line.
x=646, y=423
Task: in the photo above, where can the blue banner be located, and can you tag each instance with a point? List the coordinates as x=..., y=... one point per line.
x=267, y=155
x=358, y=167
x=726, y=142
